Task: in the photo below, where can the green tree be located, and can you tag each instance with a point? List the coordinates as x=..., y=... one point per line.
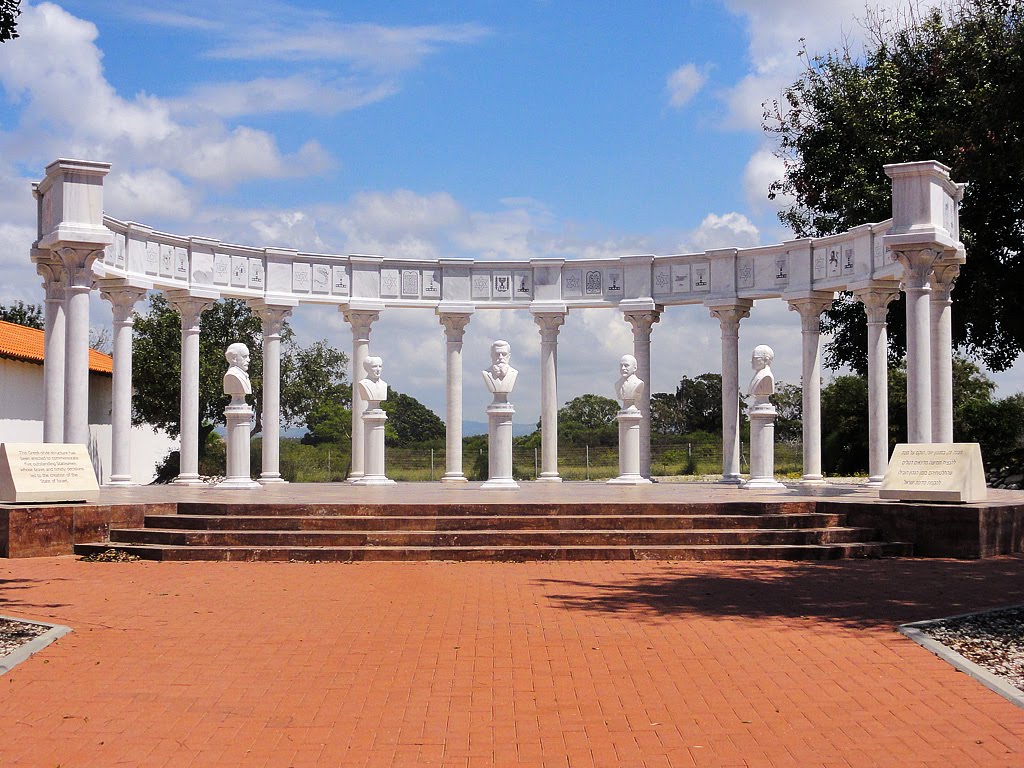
x=9, y=12
x=588, y=412
x=945, y=84
x=19, y=312
x=789, y=403
x=309, y=376
x=410, y=421
x=696, y=406
x=330, y=421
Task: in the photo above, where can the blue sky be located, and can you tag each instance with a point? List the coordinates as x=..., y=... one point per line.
x=504, y=130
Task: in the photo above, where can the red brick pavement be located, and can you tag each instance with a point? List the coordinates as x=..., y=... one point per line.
x=478, y=664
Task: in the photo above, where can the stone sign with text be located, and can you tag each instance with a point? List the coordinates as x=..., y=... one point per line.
x=39, y=472
x=935, y=472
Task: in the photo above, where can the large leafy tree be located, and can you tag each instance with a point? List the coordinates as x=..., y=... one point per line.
x=9, y=12
x=946, y=85
x=310, y=375
x=410, y=421
x=695, y=406
x=23, y=314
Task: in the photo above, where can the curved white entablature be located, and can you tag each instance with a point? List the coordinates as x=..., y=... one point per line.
x=213, y=269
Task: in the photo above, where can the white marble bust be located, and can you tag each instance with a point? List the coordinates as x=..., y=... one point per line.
x=629, y=388
x=373, y=388
x=763, y=383
x=236, y=380
x=500, y=378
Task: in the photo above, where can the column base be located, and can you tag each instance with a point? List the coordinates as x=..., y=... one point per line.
x=238, y=484
x=763, y=484
x=812, y=480
x=731, y=480
x=354, y=477
x=189, y=479
x=456, y=478
x=548, y=477
x=121, y=481
x=629, y=480
x=271, y=480
x=874, y=481
x=374, y=480
x=500, y=484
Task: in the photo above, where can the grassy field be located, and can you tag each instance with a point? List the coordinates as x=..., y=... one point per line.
x=330, y=463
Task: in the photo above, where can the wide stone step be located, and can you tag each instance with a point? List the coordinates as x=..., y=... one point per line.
x=508, y=553
x=492, y=538
x=488, y=522
x=495, y=509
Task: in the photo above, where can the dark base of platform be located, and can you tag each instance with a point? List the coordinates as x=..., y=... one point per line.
x=686, y=522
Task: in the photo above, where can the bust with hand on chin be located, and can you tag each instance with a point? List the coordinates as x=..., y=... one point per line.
x=373, y=388
x=630, y=387
x=236, y=380
x=500, y=378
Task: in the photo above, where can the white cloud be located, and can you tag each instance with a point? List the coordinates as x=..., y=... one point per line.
x=297, y=93
x=68, y=105
x=761, y=170
x=684, y=84
x=150, y=192
x=730, y=230
x=775, y=30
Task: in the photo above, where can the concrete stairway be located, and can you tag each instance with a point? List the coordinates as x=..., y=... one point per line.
x=564, y=531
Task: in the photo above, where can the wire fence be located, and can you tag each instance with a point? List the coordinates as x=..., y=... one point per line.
x=331, y=463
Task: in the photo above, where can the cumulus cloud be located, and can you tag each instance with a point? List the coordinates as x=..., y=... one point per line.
x=139, y=195
x=68, y=103
x=775, y=30
x=761, y=170
x=684, y=83
x=730, y=230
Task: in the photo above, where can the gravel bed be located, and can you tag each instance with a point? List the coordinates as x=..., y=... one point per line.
x=993, y=640
x=14, y=634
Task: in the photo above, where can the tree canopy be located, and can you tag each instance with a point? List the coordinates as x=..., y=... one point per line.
x=9, y=12
x=945, y=84
x=310, y=376
x=696, y=406
x=21, y=313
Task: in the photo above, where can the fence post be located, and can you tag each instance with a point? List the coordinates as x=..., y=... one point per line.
x=536, y=470
x=328, y=465
x=431, y=465
x=588, y=462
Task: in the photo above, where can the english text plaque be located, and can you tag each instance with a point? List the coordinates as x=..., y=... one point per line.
x=37, y=472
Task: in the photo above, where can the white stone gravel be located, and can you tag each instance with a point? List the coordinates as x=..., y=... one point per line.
x=993, y=640
x=14, y=634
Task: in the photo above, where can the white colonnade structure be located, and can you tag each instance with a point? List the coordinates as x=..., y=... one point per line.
x=918, y=252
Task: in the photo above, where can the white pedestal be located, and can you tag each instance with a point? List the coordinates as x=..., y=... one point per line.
x=239, y=419
x=629, y=448
x=499, y=445
x=374, y=419
x=762, y=448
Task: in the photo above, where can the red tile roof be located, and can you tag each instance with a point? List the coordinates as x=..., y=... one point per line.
x=19, y=342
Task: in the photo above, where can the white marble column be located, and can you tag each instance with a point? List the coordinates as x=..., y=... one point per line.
x=123, y=299
x=917, y=270
x=810, y=309
x=361, y=320
x=642, y=322
x=941, y=320
x=729, y=316
x=454, y=324
x=190, y=308
x=273, y=318
x=549, y=323
x=77, y=263
x=876, y=302
x=53, y=352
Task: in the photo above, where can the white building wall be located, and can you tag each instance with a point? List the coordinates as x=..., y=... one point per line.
x=21, y=420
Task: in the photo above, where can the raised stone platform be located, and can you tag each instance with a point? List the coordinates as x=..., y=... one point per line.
x=687, y=521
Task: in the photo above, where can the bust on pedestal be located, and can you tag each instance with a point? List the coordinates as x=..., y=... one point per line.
x=762, y=421
x=373, y=390
x=500, y=378
x=238, y=415
x=629, y=389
